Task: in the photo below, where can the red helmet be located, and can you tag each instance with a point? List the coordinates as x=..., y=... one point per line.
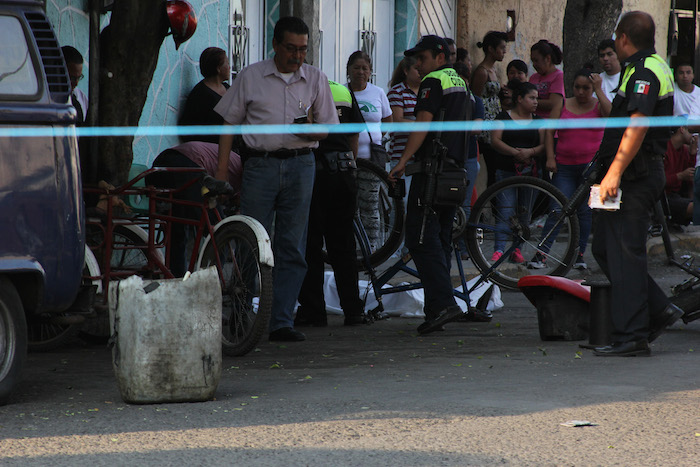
x=183, y=21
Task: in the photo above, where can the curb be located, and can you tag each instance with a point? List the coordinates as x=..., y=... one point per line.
x=687, y=242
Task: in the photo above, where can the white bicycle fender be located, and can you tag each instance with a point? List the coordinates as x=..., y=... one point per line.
x=264, y=244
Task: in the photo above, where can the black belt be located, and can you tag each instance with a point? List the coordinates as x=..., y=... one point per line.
x=280, y=153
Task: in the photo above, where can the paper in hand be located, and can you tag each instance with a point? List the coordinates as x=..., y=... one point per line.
x=609, y=204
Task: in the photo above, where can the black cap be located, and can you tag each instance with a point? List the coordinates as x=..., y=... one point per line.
x=430, y=42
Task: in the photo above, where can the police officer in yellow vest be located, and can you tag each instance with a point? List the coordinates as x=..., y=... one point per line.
x=441, y=90
x=330, y=219
x=632, y=161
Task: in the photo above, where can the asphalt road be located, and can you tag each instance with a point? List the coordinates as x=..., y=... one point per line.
x=475, y=394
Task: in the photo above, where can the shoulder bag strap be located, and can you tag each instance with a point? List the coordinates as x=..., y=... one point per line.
x=354, y=100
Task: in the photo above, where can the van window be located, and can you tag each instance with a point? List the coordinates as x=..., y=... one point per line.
x=17, y=74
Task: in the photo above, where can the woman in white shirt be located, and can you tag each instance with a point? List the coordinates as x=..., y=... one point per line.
x=374, y=106
x=371, y=99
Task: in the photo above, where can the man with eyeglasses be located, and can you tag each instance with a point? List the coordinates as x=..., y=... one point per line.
x=279, y=169
x=74, y=63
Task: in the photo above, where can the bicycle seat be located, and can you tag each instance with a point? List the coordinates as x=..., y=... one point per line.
x=216, y=187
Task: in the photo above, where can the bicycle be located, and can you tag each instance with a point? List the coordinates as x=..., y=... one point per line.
x=238, y=246
x=386, y=215
x=544, y=221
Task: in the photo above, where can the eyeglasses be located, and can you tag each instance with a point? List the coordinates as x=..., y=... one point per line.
x=293, y=50
x=76, y=78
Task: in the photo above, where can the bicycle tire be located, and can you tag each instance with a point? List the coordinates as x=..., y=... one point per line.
x=245, y=280
x=385, y=228
x=96, y=330
x=522, y=228
x=49, y=331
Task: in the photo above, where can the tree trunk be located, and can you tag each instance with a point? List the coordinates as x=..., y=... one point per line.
x=129, y=49
x=586, y=23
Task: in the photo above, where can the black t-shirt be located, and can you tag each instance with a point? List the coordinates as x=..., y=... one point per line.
x=641, y=95
x=528, y=137
x=199, y=110
x=339, y=141
x=432, y=98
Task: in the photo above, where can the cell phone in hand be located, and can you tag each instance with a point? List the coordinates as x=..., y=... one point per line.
x=301, y=119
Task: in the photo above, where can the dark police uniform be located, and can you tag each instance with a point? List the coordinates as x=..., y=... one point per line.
x=332, y=210
x=619, y=243
x=440, y=89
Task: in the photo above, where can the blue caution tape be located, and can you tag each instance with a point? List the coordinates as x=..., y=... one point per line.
x=175, y=130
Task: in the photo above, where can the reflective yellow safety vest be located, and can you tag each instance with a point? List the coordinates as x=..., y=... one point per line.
x=449, y=80
x=656, y=65
x=341, y=94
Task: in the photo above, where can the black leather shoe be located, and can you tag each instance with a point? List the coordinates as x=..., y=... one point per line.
x=287, y=335
x=451, y=313
x=624, y=349
x=354, y=320
x=667, y=317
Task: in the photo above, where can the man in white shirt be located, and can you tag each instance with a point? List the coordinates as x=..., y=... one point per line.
x=686, y=95
x=611, y=66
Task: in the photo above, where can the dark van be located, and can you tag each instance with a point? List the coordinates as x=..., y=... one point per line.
x=41, y=210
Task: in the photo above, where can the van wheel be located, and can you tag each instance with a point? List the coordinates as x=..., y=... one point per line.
x=13, y=338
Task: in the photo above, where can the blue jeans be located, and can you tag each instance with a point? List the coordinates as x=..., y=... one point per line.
x=281, y=189
x=505, y=207
x=567, y=179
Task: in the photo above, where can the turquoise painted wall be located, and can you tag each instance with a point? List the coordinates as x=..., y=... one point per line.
x=405, y=27
x=177, y=71
x=272, y=15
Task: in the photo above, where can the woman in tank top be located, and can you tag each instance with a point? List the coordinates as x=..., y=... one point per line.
x=574, y=150
x=485, y=84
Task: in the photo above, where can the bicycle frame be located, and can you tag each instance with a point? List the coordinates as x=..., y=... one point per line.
x=401, y=265
x=157, y=225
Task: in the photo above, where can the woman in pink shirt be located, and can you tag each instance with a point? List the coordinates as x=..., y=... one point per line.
x=548, y=79
x=574, y=150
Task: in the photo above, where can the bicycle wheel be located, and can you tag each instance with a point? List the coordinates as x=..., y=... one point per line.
x=129, y=254
x=49, y=331
x=382, y=216
x=505, y=217
x=246, y=286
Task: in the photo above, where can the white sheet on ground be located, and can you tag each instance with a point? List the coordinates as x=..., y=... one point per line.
x=408, y=304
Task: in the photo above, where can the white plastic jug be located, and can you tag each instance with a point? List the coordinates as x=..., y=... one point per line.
x=167, y=337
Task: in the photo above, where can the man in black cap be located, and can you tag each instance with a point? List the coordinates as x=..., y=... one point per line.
x=632, y=162
x=442, y=96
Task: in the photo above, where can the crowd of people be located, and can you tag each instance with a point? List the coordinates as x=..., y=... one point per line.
x=302, y=187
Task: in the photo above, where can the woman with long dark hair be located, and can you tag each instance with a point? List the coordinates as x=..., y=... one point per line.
x=515, y=154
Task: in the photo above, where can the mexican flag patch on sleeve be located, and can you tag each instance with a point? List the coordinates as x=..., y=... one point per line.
x=641, y=87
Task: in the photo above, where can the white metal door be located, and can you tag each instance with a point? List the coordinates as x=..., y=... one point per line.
x=384, y=62
x=437, y=17
x=330, y=40
x=246, y=38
